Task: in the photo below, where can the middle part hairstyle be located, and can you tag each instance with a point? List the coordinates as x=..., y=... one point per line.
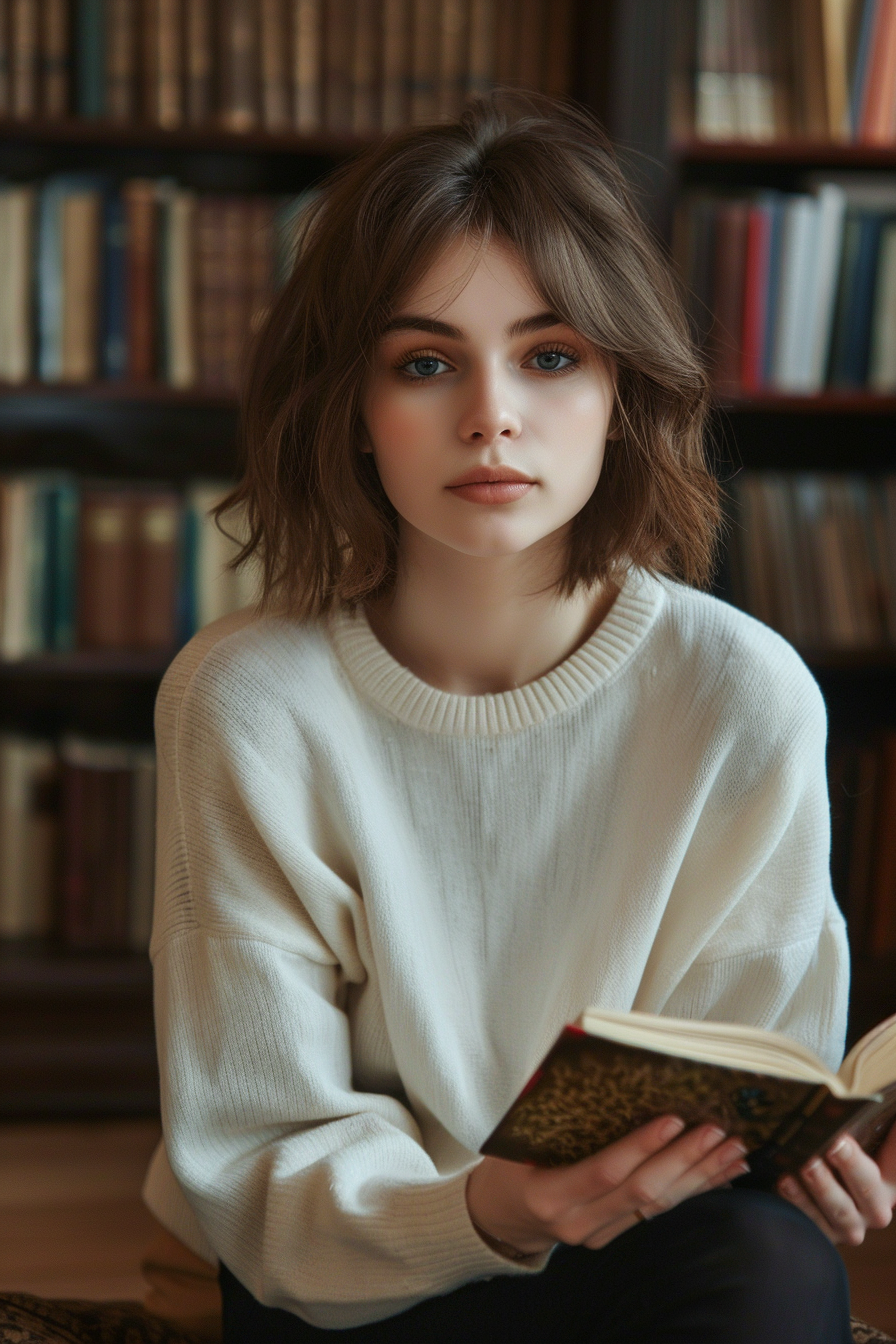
x=540, y=177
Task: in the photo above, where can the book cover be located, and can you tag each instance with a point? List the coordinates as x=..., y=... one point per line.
x=590, y=1092
x=797, y=267
x=851, y=347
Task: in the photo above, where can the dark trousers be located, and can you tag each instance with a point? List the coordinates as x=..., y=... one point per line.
x=728, y=1267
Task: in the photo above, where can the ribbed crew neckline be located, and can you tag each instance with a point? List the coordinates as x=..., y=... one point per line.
x=384, y=681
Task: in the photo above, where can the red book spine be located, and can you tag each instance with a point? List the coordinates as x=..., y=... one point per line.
x=755, y=297
x=140, y=214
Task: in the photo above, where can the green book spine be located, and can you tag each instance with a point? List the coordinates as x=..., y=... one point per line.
x=90, y=84
x=65, y=551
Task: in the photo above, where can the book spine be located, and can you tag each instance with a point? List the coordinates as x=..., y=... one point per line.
x=239, y=65
x=179, y=290
x=453, y=44
x=105, y=570
x=49, y=282
x=90, y=44
x=38, y=567
x=25, y=58
x=882, y=930
x=875, y=127
x=5, y=60
x=728, y=292
x=140, y=305
x=395, y=60
x=861, y=65
x=121, y=59
x=164, y=32
x=96, y=854
x=337, y=64
x=559, y=48
x=307, y=64
x=199, y=62
x=28, y=836
x=64, y=576
x=156, y=561
x=55, y=60
x=15, y=528
x=17, y=280
x=114, y=332
x=755, y=293
x=81, y=219
x=365, y=67
x=275, y=41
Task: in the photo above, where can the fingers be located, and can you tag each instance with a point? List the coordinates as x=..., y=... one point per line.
x=862, y=1176
x=608, y=1169
x=792, y=1191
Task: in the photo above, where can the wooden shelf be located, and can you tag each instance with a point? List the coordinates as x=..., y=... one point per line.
x=798, y=152
x=830, y=402
x=127, y=664
x=120, y=390
x=76, y=1032
x=201, y=139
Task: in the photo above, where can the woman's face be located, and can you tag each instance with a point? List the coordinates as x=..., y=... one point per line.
x=487, y=417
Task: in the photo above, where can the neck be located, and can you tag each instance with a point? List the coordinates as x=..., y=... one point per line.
x=475, y=626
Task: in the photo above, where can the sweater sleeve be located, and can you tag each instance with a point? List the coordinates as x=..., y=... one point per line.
x=320, y=1197
x=773, y=951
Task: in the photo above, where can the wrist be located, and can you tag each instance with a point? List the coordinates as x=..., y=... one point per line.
x=502, y=1248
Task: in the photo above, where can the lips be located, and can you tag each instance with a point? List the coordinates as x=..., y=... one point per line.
x=492, y=485
x=491, y=475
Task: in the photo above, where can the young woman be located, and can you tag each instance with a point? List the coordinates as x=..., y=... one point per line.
x=486, y=757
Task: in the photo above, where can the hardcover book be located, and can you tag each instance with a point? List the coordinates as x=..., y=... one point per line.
x=612, y=1072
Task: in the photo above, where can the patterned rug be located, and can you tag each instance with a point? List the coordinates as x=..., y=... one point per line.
x=39, y=1320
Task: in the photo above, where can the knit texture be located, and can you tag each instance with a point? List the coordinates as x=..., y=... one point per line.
x=377, y=904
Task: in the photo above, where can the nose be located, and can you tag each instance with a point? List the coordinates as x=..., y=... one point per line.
x=490, y=411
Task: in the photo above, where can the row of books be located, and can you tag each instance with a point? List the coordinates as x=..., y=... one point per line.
x=77, y=841
x=814, y=556
x=87, y=565
x=146, y=281
x=303, y=65
x=794, y=291
x=825, y=69
x=863, y=840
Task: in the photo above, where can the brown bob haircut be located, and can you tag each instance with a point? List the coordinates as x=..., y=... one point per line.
x=539, y=176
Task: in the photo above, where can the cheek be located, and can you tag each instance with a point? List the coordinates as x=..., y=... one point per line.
x=396, y=423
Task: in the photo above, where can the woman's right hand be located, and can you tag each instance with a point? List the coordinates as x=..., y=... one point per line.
x=529, y=1209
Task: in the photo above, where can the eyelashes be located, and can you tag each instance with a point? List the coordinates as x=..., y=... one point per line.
x=410, y=357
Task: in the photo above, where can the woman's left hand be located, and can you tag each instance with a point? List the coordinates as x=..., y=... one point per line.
x=863, y=1197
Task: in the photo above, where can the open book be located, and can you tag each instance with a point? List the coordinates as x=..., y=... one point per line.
x=611, y=1072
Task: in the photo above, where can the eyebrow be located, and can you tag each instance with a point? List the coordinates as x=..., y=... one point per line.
x=414, y=322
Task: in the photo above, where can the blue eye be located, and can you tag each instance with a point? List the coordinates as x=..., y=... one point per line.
x=549, y=360
x=425, y=366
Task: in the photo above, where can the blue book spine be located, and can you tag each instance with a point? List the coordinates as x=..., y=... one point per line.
x=862, y=62
x=773, y=202
x=64, y=572
x=90, y=80
x=48, y=279
x=114, y=347
x=187, y=602
x=857, y=336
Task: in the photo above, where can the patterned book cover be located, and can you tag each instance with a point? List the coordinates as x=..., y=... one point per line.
x=590, y=1092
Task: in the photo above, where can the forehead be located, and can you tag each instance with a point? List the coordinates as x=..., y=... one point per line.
x=468, y=273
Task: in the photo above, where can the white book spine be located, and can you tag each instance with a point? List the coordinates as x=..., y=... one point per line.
x=822, y=291
x=882, y=372
x=798, y=246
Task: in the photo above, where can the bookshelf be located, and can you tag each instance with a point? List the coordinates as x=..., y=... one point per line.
x=76, y=1035
x=833, y=432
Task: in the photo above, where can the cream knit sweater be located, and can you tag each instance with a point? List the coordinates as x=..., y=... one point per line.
x=378, y=903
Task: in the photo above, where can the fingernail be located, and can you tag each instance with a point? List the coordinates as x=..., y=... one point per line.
x=711, y=1137
x=839, y=1148
x=738, y=1147
x=811, y=1168
x=674, y=1125
x=740, y=1169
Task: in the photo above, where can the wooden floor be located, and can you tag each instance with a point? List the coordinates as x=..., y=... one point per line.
x=72, y=1223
